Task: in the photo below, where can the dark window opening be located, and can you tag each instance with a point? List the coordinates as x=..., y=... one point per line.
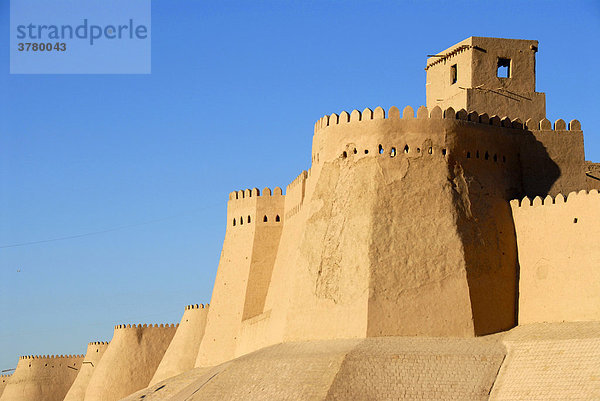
x=265, y=218
x=241, y=221
x=393, y=152
x=430, y=151
x=468, y=155
x=477, y=154
x=487, y=156
x=453, y=75
x=234, y=222
x=277, y=219
x=380, y=149
x=444, y=152
x=344, y=155
x=575, y=220
x=495, y=158
x=503, y=68
x=418, y=150
x=354, y=150
x=503, y=159
x=406, y=149
x=249, y=219
x=366, y=151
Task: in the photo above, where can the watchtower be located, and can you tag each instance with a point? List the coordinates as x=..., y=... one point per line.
x=487, y=75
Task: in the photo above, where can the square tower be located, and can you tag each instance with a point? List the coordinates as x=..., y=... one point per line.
x=487, y=75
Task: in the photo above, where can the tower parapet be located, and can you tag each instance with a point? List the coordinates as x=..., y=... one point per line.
x=183, y=349
x=129, y=361
x=95, y=351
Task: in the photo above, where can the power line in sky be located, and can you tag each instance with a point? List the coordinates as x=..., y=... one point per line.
x=87, y=234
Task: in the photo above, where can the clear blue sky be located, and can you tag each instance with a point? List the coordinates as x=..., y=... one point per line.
x=234, y=92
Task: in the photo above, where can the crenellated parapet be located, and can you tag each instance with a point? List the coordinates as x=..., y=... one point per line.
x=540, y=156
x=143, y=326
x=98, y=343
x=53, y=357
x=254, y=193
x=295, y=194
x=249, y=207
x=437, y=113
x=196, y=306
x=559, y=199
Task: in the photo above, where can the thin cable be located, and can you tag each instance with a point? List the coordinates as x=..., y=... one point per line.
x=108, y=230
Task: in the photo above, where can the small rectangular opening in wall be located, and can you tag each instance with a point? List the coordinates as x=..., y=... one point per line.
x=453, y=74
x=503, y=68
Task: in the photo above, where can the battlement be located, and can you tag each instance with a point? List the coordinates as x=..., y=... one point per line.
x=196, y=306
x=449, y=114
x=557, y=200
x=50, y=356
x=99, y=343
x=143, y=326
x=297, y=181
x=254, y=192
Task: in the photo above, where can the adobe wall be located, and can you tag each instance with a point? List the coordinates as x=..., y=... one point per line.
x=247, y=259
x=94, y=353
x=344, y=217
x=564, y=170
x=557, y=240
x=592, y=175
x=268, y=328
x=183, y=349
x=414, y=280
x=129, y=361
x=3, y=382
x=42, y=378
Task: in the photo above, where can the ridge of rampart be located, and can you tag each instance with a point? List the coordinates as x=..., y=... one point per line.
x=437, y=113
x=196, y=306
x=143, y=326
x=98, y=343
x=556, y=200
x=254, y=192
x=50, y=356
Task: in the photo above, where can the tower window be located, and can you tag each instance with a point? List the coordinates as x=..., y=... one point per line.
x=453, y=74
x=503, y=68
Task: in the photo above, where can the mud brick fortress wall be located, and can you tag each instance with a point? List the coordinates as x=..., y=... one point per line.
x=402, y=225
x=42, y=377
x=559, y=257
x=471, y=216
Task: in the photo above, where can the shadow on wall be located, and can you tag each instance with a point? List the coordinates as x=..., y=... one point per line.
x=538, y=170
x=489, y=236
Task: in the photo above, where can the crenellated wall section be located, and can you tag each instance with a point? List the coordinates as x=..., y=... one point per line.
x=401, y=226
x=94, y=353
x=42, y=378
x=254, y=224
x=559, y=257
x=183, y=349
x=129, y=361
